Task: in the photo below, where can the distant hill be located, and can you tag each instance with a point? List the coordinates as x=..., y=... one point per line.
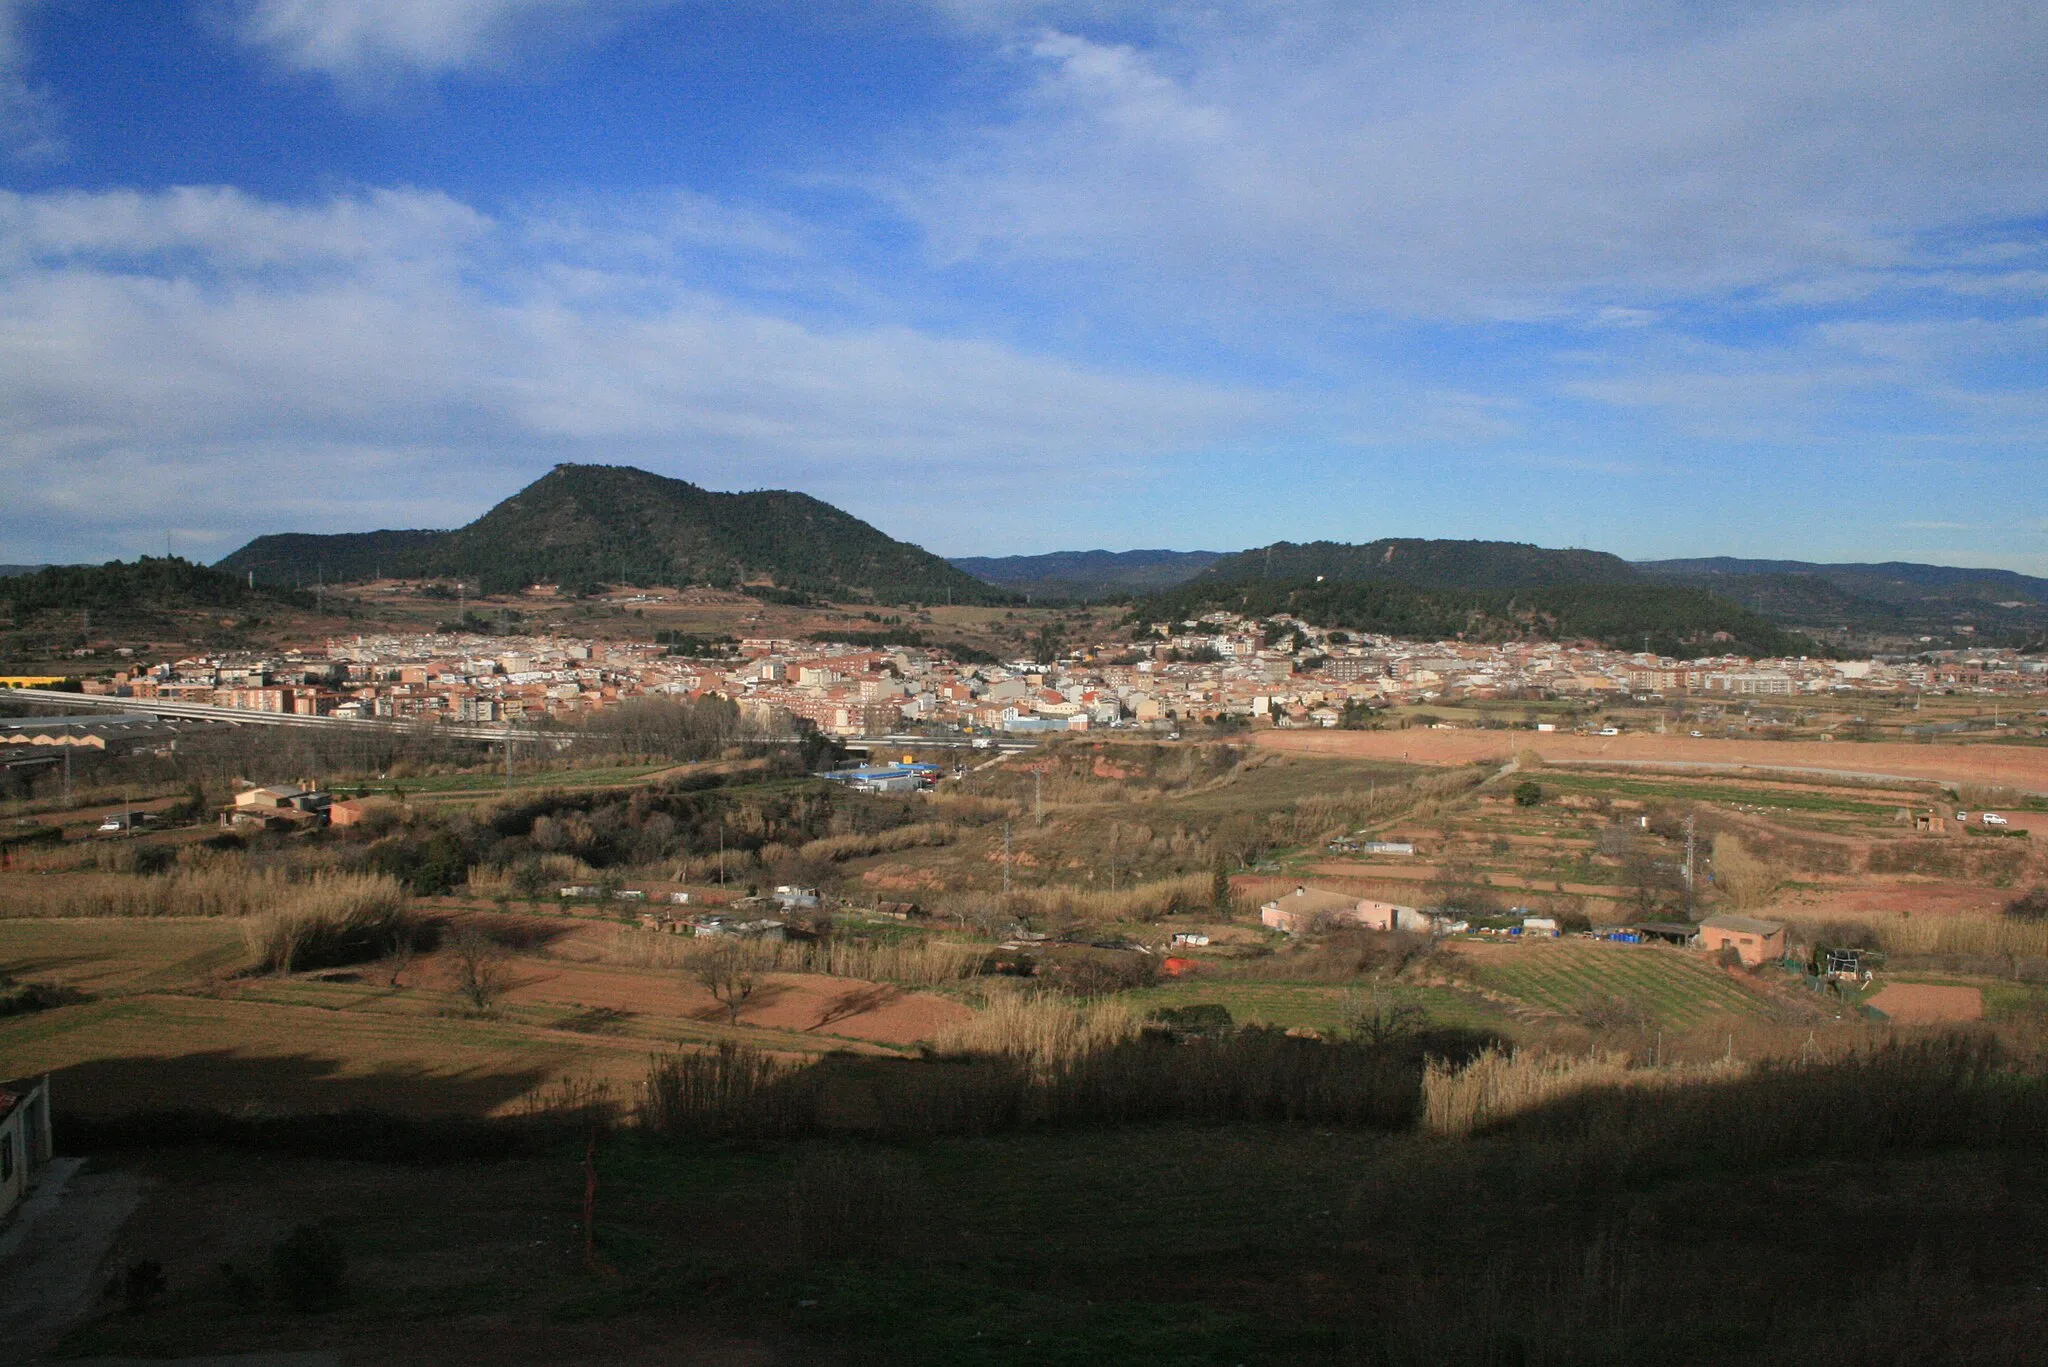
x=615, y=524
x=121, y=589
x=1436, y=564
x=292, y=558
x=1892, y=581
x=1477, y=590
x=1088, y=574
x=9, y=571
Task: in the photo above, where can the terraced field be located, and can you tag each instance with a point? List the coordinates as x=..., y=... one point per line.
x=1567, y=976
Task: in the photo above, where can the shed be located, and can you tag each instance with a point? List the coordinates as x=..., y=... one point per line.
x=1756, y=941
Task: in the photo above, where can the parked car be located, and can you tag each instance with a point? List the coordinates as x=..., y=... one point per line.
x=1962, y=816
x=1610, y=730
x=1994, y=819
x=1697, y=734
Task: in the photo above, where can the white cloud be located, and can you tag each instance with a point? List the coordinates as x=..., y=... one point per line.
x=398, y=358
x=1496, y=158
x=354, y=37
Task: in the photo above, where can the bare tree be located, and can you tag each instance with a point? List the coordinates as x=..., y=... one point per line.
x=405, y=944
x=728, y=974
x=479, y=966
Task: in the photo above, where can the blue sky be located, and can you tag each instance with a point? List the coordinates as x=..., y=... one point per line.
x=1664, y=279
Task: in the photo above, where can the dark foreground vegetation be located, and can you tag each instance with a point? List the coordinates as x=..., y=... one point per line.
x=1884, y=1205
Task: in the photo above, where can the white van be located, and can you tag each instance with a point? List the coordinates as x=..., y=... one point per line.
x=1994, y=819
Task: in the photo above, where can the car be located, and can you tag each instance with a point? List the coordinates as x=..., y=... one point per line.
x=113, y=823
x=1697, y=734
x=1994, y=819
x=1962, y=816
x=1610, y=730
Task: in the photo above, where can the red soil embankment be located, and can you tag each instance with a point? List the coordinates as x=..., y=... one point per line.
x=2024, y=767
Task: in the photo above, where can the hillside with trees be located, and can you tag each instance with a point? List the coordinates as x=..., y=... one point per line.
x=1671, y=620
x=1088, y=574
x=1437, y=564
x=580, y=524
x=122, y=588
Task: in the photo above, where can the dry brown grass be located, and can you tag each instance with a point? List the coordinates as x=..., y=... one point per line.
x=335, y=918
x=1989, y=935
x=1041, y=1031
x=1145, y=902
x=840, y=848
x=1748, y=881
x=1501, y=1084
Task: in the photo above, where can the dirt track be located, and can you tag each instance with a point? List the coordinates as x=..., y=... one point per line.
x=2023, y=767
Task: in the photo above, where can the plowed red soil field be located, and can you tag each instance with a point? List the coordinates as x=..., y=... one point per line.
x=2023, y=767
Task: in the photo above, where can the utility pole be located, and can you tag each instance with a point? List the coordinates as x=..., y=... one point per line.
x=67, y=764
x=1038, y=797
x=1691, y=845
x=1006, y=859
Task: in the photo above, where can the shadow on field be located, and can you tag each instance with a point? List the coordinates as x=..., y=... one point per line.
x=227, y=1082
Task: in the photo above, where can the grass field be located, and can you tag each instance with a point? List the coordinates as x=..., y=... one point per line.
x=485, y=781
x=1567, y=976
x=109, y=955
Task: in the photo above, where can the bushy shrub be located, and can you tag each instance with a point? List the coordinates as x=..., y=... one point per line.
x=334, y=919
x=2029, y=906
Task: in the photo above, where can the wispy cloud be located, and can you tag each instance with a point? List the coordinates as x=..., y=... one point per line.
x=1492, y=158
x=353, y=38
x=30, y=129
x=392, y=357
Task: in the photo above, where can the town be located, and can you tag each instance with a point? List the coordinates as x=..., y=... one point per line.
x=1278, y=672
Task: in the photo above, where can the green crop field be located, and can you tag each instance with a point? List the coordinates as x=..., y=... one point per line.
x=1566, y=977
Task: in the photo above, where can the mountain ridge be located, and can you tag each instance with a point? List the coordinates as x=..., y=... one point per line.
x=612, y=523
x=1087, y=574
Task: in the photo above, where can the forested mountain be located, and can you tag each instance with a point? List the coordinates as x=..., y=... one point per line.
x=119, y=588
x=295, y=558
x=9, y=571
x=1479, y=590
x=1892, y=581
x=1438, y=564
x=1670, y=620
x=615, y=524
x=1088, y=574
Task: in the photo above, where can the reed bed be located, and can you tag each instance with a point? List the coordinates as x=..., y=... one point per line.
x=1258, y=1076
x=1144, y=902
x=333, y=919
x=838, y=849
x=1982, y=935
x=1041, y=1031
x=914, y=962
x=1501, y=1084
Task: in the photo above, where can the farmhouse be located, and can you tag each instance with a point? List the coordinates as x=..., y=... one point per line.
x=1756, y=941
x=1306, y=907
